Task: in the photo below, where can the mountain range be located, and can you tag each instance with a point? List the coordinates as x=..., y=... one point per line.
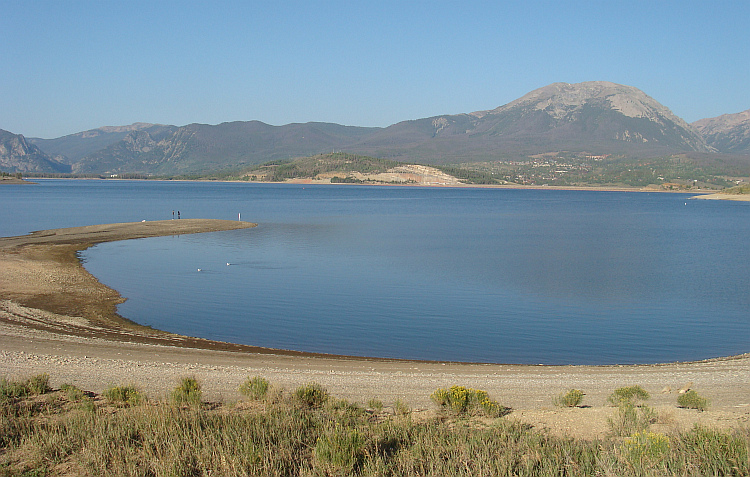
x=596, y=118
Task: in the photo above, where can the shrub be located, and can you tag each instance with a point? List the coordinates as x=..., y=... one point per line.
x=340, y=451
x=645, y=448
x=375, y=404
x=72, y=392
x=187, y=392
x=462, y=400
x=38, y=384
x=691, y=400
x=254, y=388
x=572, y=398
x=632, y=394
x=124, y=396
x=629, y=419
x=311, y=395
x=12, y=389
x=401, y=408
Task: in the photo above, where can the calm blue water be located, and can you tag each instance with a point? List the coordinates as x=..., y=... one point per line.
x=487, y=275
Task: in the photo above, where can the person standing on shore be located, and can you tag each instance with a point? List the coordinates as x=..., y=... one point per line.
x=178, y=214
x=173, y=215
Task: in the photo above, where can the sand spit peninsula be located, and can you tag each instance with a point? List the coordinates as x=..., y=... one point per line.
x=93, y=234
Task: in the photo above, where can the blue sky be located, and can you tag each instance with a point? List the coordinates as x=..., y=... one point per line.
x=69, y=66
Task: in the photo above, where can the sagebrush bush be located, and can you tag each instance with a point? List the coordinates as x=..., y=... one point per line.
x=72, y=392
x=645, y=449
x=188, y=391
x=691, y=400
x=572, y=398
x=401, y=408
x=629, y=419
x=124, y=395
x=375, y=404
x=632, y=394
x=311, y=395
x=255, y=388
x=38, y=384
x=462, y=400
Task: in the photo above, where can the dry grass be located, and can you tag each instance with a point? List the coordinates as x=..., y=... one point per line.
x=69, y=433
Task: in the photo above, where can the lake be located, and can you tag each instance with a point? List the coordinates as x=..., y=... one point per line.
x=454, y=274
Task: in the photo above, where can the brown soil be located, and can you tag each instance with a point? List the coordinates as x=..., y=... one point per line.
x=57, y=318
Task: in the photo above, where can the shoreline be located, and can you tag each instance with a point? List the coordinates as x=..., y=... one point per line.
x=309, y=181
x=57, y=318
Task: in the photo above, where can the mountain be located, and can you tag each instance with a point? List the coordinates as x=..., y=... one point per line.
x=18, y=155
x=598, y=117
x=592, y=118
x=75, y=147
x=201, y=148
x=728, y=133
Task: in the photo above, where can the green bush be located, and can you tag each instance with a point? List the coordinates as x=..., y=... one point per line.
x=34, y=385
x=691, y=400
x=311, y=395
x=645, y=449
x=462, y=400
x=124, y=396
x=375, y=404
x=38, y=384
x=340, y=451
x=12, y=389
x=187, y=392
x=572, y=398
x=401, y=408
x=254, y=388
x=72, y=392
x=632, y=394
x=629, y=419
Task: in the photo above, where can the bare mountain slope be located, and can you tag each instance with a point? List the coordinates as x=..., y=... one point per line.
x=18, y=155
x=728, y=133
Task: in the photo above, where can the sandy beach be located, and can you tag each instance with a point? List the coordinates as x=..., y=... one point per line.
x=57, y=318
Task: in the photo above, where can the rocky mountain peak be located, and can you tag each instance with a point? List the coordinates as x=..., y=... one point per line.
x=18, y=155
x=559, y=100
x=728, y=133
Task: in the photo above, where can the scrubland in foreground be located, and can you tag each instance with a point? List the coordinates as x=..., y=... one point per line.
x=309, y=432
